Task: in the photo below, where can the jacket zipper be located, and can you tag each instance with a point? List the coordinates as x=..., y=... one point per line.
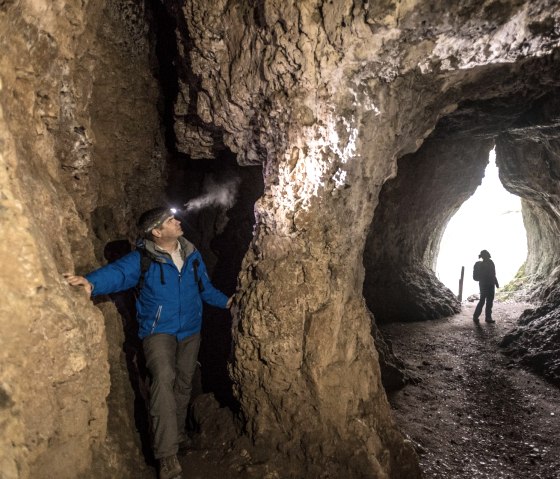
x=158, y=315
x=179, y=296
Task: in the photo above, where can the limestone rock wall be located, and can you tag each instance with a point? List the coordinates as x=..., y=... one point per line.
x=529, y=167
x=527, y=157
x=79, y=152
x=327, y=95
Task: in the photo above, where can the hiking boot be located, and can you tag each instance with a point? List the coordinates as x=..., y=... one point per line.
x=475, y=319
x=489, y=320
x=169, y=467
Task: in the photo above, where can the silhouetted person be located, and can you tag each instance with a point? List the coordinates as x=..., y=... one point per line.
x=485, y=273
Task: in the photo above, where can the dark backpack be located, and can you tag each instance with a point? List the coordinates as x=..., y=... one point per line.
x=476, y=271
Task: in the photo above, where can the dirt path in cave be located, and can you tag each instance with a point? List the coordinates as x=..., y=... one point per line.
x=473, y=414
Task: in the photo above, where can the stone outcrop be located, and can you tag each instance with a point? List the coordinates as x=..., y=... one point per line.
x=534, y=343
x=528, y=157
x=80, y=155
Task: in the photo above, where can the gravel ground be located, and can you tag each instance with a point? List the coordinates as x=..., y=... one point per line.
x=472, y=412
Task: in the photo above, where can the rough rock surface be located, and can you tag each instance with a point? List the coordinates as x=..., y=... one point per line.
x=529, y=160
x=327, y=96
x=79, y=154
x=534, y=342
x=472, y=413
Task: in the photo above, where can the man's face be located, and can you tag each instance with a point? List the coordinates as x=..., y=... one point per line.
x=169, y=229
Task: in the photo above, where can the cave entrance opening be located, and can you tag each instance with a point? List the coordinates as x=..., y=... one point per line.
x=490, y=219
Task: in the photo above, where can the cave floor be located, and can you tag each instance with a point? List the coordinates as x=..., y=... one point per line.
x=473, y=413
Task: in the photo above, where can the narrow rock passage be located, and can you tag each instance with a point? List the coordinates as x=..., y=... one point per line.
x=473, y=413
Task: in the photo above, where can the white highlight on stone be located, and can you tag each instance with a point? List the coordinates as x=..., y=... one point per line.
x=340, y=178
x=365, y=103
x=504, y=45
x=349, y=149
x=320, y=162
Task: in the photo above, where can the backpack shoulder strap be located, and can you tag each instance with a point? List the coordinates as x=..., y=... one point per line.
x=146, y=260
x=197, y=279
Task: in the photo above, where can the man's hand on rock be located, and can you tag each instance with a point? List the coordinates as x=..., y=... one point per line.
x=74, y=280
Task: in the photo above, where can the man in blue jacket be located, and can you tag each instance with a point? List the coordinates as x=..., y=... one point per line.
x=173, y=283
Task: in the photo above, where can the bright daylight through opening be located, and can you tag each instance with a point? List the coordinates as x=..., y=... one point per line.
x=490, y=219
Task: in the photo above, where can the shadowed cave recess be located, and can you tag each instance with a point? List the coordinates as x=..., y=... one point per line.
x=333, y=140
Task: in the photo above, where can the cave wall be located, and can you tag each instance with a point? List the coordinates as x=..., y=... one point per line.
x=327, y=96
x=528, y=156
x=81, y=154
x=432, y=183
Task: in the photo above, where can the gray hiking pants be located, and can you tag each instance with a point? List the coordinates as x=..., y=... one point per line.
x=171, y=364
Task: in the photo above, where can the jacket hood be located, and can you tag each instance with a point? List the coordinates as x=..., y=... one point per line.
x=186, y=249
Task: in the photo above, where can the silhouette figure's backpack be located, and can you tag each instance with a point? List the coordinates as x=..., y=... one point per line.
x=476, y=271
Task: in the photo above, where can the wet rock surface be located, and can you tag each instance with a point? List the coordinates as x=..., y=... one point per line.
x=474, y=413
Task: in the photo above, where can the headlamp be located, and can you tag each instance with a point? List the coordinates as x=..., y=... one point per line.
x=158, y=221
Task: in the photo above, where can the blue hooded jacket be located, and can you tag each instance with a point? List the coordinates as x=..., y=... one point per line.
x=174, y=307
